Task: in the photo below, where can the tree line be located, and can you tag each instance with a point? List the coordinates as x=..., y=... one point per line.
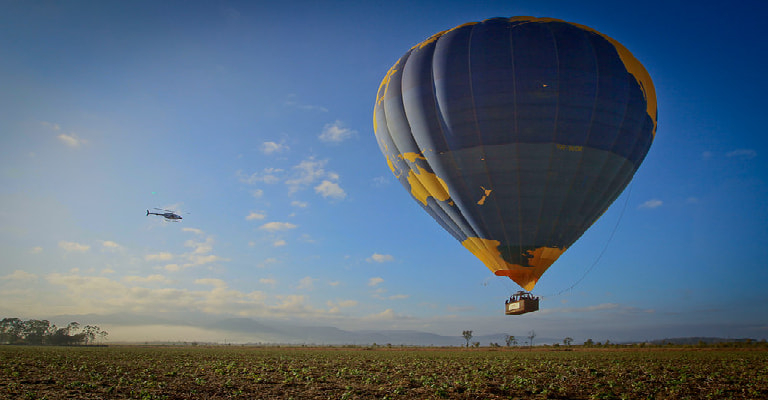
x=40, y=332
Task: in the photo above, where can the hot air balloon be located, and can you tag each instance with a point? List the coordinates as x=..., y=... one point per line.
x=516, y=134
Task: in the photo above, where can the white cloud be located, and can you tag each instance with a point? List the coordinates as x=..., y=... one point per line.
x=268, y=281
x=291, y=102
x=36, y=250
x=330, y=189
x=306, y=283
x=347, y=303
x=19, y=275
x=200, y=247
x=73, y=293
x=335, y=307
x=71, y=140
x=74, y=247
x=277, y=226
x=268, y=262
x=257, y=193
x=273, y=147
x=172, y=267
x=110, y=245
x=386, y=315
x=744, y=154
x=375, y=281
x=653, y=203
x=159, y=257
x=307, y=172
x=155, y=278
x=380, y=258
x=380, y=181
x=279, y=243
x=334, y=283
x=51, y=125
x=399, y=297
x=193, y=230
x=300, y=204
x=217, y=283
x=336, y=133
x=268, y=176
x=254, y=215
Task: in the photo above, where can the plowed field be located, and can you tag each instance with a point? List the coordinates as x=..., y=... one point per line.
x=225, y=372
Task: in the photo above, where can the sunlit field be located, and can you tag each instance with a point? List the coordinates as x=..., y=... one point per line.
x=142, y=372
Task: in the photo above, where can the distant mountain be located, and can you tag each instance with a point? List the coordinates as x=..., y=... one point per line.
x=287, y=333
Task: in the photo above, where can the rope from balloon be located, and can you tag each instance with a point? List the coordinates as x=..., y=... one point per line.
x=599, y=256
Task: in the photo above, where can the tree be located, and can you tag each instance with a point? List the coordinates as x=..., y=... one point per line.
x=567, y=341
x=90, y=332
x=531, y=335
x=511, y=341
x=102, y=335
x=589, y=343
x=467, y=336
x=35, y=331
x=11, y=330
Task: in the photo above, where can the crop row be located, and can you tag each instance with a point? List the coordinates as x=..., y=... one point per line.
x=231, y=372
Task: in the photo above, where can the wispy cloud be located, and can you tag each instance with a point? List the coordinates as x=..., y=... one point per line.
x=192, y=230
x=155, y=278
x=380, y=258
x=386, y=315
x=291, y=102
x=375, y=281
x=71, y=140
x=267, y=175
x=306, y=283
x=380, y=181
x=273, y=147
x=73, y=247
x=19, y=275
x=336, y=306
x=743, y=154
x=307, y=172
x=267, y=262
x=277, y=226
x=329, y=189
x=254, y=216
x=108, y=245
x=653, y=203
x=268, y=281
x=336, y=133
x=164, y=256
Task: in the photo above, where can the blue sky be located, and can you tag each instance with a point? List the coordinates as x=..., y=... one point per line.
x=254, y=119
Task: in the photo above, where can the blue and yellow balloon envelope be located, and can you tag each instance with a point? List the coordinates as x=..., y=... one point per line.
x=516, y=134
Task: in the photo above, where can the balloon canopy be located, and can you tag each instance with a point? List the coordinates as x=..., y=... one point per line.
x=516, y=134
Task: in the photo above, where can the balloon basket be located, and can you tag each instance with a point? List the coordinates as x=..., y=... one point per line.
x=521, y=303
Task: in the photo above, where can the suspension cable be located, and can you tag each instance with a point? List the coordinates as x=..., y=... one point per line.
x=599, y=256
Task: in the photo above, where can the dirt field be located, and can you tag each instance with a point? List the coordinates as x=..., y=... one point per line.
x=134, y=372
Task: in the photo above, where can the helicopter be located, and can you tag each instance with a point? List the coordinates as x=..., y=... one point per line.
x=168, y=215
